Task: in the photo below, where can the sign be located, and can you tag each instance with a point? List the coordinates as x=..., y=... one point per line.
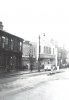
x=46, y=56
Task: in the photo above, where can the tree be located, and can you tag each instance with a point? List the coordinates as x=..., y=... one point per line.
x=31, y=62
x=62, y=54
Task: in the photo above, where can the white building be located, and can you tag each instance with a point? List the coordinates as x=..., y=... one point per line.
x=48, y=51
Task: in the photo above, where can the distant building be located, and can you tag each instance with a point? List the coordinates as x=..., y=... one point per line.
x=62, y=56
x=10, y=51
x=26, y=54
x=29, y=53
x=48, y=52
x=34, y=54
x=67, y=58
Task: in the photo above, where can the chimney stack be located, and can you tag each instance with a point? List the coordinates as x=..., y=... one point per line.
x=1, y=26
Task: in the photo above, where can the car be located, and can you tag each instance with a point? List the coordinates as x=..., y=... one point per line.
x=47, y=67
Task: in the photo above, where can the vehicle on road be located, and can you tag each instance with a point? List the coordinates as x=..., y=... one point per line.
x=50, y=67
x=47, y=67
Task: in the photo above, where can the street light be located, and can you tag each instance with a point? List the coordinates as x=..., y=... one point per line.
x=39, y=56
x=39, y=53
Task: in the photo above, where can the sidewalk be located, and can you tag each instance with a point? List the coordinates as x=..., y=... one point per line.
x=28, y=72
x=15, y=73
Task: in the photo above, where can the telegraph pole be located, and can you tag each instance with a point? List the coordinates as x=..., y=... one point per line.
x=39, y=56
x=39, y=52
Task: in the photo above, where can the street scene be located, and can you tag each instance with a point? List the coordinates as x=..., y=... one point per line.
x=34, y=50
x=43, y=85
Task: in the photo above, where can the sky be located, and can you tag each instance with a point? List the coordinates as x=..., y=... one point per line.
x=30, y=18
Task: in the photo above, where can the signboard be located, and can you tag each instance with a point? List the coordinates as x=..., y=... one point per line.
x=46, y=56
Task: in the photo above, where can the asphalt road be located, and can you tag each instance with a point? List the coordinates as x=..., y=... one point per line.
x=55, y=87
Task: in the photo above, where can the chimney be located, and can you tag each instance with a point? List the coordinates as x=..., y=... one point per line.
x=1, y=26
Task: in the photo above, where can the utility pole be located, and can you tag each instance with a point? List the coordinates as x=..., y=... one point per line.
x=39, y=52
x=39, y=56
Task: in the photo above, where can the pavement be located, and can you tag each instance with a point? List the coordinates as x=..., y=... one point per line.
x=35, y=72
x=16, y=73
x=28, y=72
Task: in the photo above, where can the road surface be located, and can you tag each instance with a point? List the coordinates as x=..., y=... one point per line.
x=52, y=87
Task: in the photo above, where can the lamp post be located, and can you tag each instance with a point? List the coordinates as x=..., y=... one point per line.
x=39, y=52
x=39, y=56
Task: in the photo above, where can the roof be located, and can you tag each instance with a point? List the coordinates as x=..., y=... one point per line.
x=2, y=32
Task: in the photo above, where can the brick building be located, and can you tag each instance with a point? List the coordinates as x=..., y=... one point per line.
x=29, y=54
x=26, y=53
x=10, y=51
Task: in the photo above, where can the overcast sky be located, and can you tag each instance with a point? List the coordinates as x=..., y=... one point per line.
x=29, y=18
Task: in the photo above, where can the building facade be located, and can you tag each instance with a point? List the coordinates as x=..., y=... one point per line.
x=62, y=56
x=34, y=54
x=48, y=51
x=25, y=55
x=29, y=54
x=10, y=51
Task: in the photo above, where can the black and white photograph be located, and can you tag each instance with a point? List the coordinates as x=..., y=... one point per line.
x=34, y=50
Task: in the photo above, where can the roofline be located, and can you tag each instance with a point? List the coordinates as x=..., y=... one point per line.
x=12, y=34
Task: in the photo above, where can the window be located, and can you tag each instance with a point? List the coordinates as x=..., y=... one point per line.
x=11, y=44
x=3, y=41
x=44, y=49
x=49, y=50
x=53, y=50
x=20, y=46
x=6, y=40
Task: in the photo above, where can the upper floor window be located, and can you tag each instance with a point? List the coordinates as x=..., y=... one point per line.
x=3, y=41
x=20, y=46
x=44, y=49
x=6, y=40
x=11, y=44
x=53, y=50
x=49, y=50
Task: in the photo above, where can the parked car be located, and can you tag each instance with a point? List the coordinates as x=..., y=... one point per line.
x=47, y=67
